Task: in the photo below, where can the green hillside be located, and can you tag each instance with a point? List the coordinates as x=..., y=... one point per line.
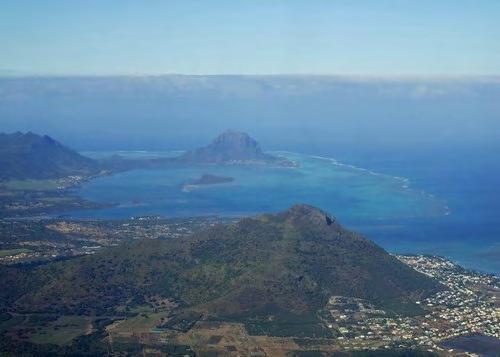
x=289, y=263
x=31, y=156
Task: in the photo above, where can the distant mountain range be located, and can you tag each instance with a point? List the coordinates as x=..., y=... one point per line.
x=31, y=156
x=272, y=266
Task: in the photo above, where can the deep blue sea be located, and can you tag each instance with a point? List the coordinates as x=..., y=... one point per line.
x=425, y=150
x=445, y=204
x=468, y=180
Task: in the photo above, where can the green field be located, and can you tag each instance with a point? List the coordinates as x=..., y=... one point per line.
x=8, y=321
x=62, y=330
x=9, y=252
x=47, y=328
x=141, y=323
x=31, y=185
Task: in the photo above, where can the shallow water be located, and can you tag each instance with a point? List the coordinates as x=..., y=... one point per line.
x=346, y=191
x=391, y=210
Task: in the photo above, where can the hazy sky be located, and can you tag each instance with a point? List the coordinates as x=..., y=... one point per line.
x=421, y=37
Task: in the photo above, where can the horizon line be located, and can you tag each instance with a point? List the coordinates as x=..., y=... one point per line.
x=5, y=74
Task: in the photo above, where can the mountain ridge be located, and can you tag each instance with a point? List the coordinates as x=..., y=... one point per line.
x=291, y=262
x=231, y=147
x=33, y=156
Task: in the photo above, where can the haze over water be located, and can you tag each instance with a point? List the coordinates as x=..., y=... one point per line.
x=396, y=212
x=441, y=134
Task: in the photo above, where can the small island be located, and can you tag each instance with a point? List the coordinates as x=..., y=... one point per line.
x=205, y=180
x=208, y=179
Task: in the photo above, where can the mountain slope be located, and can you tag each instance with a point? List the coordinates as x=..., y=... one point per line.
x=230, y=147
x=291, y=262
x=31, y=156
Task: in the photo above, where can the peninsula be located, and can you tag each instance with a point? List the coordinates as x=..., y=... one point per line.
x=233, y=147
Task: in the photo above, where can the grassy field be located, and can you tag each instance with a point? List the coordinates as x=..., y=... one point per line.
x=31, y=185
x=62, y=330
x=8, y=252
x=46, y=328
x=10, y=321
x=141, y=323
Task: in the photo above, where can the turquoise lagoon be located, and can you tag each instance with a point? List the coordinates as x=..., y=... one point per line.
x=428, y=216
x=348, y=192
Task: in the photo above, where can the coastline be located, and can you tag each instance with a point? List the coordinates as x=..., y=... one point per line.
x=99, y=209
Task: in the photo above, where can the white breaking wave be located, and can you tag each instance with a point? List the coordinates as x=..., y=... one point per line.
x=405, y=182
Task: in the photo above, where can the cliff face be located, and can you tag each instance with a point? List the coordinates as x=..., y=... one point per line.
x=229, y=147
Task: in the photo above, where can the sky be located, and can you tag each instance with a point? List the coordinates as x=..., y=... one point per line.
x=342, y=37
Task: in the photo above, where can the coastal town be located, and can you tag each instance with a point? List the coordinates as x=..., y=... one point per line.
x=469, y=306
x=463, y=314
x=28, y=241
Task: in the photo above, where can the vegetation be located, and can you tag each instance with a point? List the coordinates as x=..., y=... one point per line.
x=231, y=146
x=8, y=252
x=266, y=272
x=31, y=185
x=32, y=202
x=31, y=156
x=208, y=179
x=62, y=330
x=375, y=353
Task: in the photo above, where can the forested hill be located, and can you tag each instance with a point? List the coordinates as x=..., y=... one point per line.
x=32, y=156
x=291, y=262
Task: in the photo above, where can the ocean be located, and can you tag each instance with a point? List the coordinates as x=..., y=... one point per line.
x=440, y=204
x=425, y=150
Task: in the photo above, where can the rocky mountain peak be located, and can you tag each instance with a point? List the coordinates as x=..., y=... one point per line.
x=235, y=140
x=229, y=147
x=305, y=213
